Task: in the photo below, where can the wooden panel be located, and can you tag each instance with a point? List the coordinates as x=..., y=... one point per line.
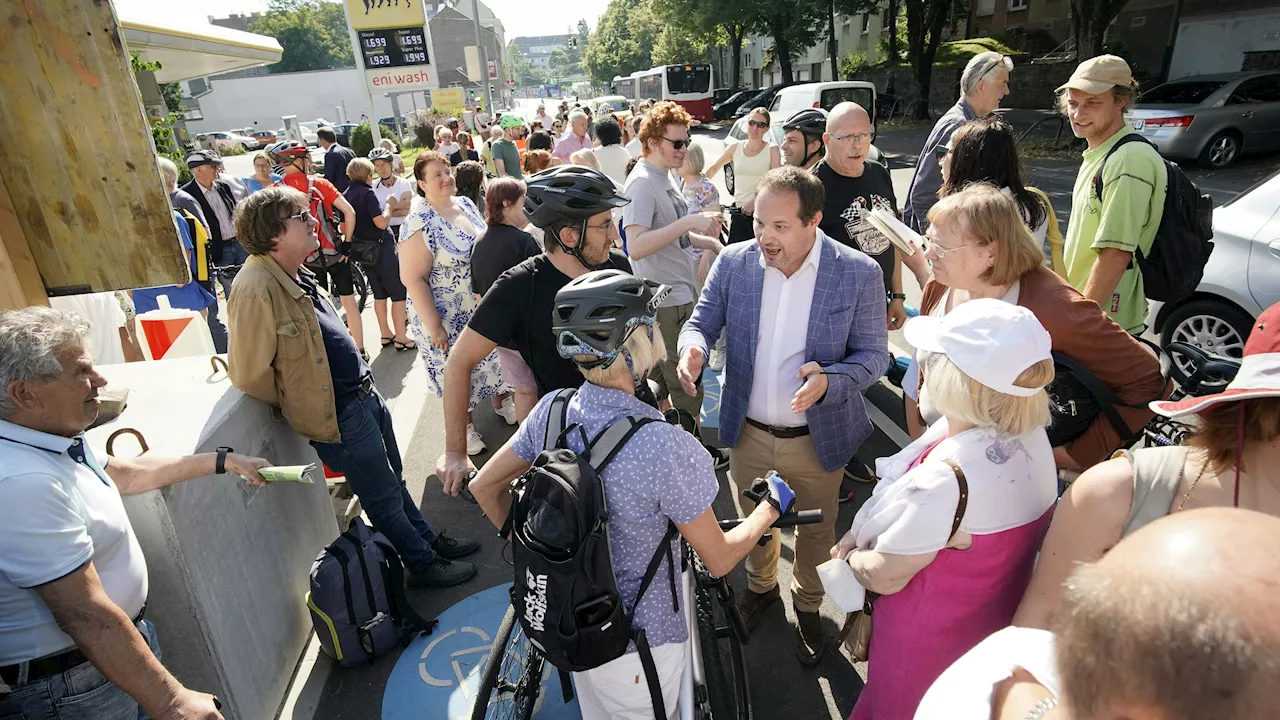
x=76, y=151
x=20, y=284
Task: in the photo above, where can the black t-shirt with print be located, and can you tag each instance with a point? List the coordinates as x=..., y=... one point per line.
x=849, y=201
x=516, y=313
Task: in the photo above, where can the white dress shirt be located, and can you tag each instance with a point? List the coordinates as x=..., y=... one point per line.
x=220, y=209
x=780, y=341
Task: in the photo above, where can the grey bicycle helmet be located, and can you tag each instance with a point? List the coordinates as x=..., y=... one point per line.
x=380, y=153
x=595, y=314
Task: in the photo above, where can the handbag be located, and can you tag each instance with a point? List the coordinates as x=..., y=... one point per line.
x=365, y=251
x=855, y=636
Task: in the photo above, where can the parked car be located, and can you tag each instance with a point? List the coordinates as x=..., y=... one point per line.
x=223, y=140
x=1241, y=280
x=343, y=131
x=265, y=137
x=724, y=109
x=760, y=99
x=825, y=95
x=1212, y=119
x=620, y=106
x=309, y=132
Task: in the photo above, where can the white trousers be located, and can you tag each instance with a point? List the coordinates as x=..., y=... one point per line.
x=619, y=691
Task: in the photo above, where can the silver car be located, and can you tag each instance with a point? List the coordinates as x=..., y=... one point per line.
x=1212, y=119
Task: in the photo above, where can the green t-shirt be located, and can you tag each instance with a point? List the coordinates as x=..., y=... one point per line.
x=506, y=151
x=1126, y=218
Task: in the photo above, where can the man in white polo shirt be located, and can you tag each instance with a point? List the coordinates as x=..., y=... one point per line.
x=73, y=581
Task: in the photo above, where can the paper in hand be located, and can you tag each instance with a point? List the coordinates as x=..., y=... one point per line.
x=288, y=473
x=903, y=237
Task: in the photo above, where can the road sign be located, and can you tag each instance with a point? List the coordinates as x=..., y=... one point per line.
x=393, y=47
x=379, y=14
x=447, y=100
x=493, y=69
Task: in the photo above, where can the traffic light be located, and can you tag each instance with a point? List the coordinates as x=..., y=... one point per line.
x=573, y=42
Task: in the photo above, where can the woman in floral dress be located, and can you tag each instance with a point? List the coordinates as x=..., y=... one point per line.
x=435, y=265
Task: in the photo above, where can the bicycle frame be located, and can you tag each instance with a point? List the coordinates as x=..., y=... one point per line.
x=693, y=670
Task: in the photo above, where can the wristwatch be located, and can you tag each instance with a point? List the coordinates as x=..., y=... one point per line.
x=897, y=296
x=220, y=467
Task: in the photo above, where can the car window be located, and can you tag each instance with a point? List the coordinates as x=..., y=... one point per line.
x=736, y=132
x=1183, y=92
x=776, y=104
x=834, y=96
x=1256, y=90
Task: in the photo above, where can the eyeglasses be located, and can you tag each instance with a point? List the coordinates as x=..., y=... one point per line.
x=854, y=137
x=677, y=144
x=603, y=226
x=942, y=252
x=941, y=151
x=305, y=216
x=758, y=123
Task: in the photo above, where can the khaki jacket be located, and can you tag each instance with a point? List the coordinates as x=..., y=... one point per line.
x=275, y=351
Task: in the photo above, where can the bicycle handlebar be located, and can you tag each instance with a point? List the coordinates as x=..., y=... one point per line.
x=803, y=517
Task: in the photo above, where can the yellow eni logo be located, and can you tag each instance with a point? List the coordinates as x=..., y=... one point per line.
x=378, y=14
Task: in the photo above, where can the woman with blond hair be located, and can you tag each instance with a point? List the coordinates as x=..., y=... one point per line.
x=980, y=247
x=751, y=159
x=584, y=157
x=949, y=536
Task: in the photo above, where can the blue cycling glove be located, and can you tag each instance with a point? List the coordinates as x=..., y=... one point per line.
x=777, y=492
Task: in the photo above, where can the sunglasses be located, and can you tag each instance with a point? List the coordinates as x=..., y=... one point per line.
x=304, y=216
x=758, y=123
x=678, y=144
x=941, y=151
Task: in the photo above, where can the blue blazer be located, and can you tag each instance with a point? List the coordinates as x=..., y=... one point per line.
x=847, y=334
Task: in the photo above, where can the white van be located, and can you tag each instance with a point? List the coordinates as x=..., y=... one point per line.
x=825, y=95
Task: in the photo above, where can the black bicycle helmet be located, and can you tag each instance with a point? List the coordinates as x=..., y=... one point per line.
x=569, y=193
x=809, y=121
x=595, y=314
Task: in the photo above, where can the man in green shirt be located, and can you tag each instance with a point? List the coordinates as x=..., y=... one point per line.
x=1103, y=233
x=506, y=157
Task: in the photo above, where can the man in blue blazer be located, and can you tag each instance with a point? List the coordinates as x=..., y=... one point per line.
x=804, y=320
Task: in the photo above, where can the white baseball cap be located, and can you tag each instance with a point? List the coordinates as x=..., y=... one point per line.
x=991, y=341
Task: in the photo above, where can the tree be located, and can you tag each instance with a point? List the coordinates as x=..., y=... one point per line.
x=623, y=40
x=791, y=24
x=519, y=68
x=559, y=65
x=849, y=8
x=1089, y=21
x=312, y=33
x=926, y=20
x=713, y=23
x=894, y=11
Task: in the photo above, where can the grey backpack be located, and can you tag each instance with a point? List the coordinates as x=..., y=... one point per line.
x=357, y=600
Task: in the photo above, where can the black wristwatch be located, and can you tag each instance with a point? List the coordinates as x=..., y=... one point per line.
x=220, y=467
x=897, y=296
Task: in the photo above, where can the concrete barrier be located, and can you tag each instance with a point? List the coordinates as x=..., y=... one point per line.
x=228, y=563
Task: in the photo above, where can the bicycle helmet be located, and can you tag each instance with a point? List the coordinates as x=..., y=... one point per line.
x=811, y=123
x=380, y=153
x=285, y=150
x=510, y=121
x=595, y=314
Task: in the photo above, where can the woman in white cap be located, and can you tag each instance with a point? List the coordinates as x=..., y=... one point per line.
x=980, y=247
x=1229, y=461
x=949, y=536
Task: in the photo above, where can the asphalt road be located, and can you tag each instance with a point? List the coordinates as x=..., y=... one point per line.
x=781, y=687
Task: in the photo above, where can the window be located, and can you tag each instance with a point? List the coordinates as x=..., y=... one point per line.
x=1138, y=21
x=884, y=20
x=986, y=7
x=835, y=96
x=1017, y=5
x=651, y=87
x=747, y=61
x=683, y=79
x=866, y=23
x=1184, y=92
x=1256, y=90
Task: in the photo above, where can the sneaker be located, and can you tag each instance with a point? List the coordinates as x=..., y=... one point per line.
x=453, y=548
x=441, y=573
x=751, y=605
x=475, y=443
x=810, y=643
x=508, y=410
x=719, y=457
x=859, y=472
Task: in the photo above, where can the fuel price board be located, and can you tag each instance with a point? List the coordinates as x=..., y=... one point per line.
x=393, y=47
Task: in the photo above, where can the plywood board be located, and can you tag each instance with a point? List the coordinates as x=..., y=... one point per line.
x=76, y=151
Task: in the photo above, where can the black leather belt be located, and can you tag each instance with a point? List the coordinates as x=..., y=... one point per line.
x=782, y=433
x=366, y=386
x=52, y=665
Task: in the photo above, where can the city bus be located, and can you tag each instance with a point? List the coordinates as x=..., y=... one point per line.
x=688, y=85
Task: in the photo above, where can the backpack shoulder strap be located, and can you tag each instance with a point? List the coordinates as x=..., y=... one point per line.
x=1130, y=138
x=612, y=439
x=395, y=578
x=1107, y=399
x=557, y=417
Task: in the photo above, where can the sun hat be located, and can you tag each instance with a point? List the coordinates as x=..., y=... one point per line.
x=1099, y=74
x=1259, y=375
x=991, y=341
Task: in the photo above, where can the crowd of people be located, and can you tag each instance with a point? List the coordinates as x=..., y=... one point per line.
x=581, y=250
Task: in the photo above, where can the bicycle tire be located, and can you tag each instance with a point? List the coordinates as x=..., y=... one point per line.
x=728, y=690
x=524, y=695
x=360, y=281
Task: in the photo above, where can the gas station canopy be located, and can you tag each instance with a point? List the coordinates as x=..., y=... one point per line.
x=192, y=50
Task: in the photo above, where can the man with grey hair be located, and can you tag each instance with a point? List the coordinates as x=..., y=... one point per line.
x=187, y=206
x=983, y=84
x=73, y=580
x=576, y=138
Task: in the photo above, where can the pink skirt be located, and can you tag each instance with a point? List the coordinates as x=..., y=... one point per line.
x=953, y=604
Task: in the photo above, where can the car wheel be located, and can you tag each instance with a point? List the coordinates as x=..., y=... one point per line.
x=1220, y=151
x=1215, y=326
x=247, y=147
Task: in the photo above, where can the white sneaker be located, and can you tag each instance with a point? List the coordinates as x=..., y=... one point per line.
x=508, y=410
x=475, y=443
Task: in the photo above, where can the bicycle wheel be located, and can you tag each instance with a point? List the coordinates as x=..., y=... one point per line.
x=513, y=677
x=727, y=691
x=361, y=284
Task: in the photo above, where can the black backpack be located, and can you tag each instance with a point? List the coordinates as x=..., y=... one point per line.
x=1184, y=238
x=565, y=593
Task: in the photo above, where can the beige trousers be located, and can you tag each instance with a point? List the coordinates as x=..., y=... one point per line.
x=797, y=462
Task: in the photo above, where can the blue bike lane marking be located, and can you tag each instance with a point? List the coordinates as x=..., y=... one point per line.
x=437, y=676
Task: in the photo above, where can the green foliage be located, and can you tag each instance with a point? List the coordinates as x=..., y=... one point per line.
x=422, y=123
x=232, y=150
x=623, y=40
x=883, y=43
x=162, y=135
x=520, y=69
x=313, y=34
x=959, y=52
x=362, y=138
x=853, y=64
x=794, y=26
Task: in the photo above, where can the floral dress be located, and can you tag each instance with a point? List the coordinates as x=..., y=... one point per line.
x=450, y=282
x=699, y=195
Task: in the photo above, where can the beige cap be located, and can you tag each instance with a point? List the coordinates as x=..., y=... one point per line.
x=1099, y=74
